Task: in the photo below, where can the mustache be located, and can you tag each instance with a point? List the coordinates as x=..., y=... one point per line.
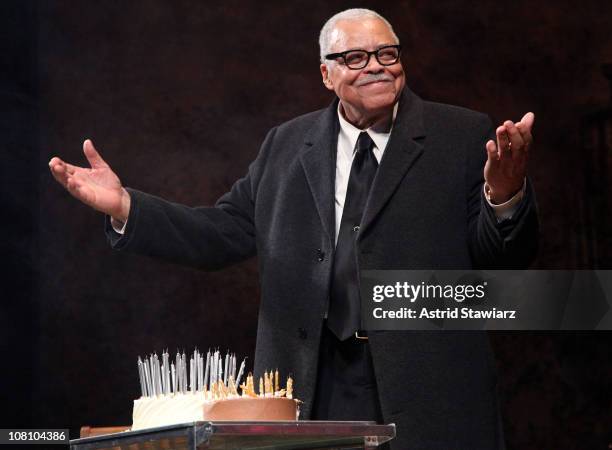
x=373, y=77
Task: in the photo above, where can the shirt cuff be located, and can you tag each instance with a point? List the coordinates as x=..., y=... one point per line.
x=506, y=210
x=118, y=226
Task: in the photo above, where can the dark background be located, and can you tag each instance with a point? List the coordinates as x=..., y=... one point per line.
x=178, y=96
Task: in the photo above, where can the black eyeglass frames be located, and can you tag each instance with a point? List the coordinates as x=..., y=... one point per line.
x=358, y=59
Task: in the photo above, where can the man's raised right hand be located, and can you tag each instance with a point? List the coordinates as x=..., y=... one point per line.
x=98, y=187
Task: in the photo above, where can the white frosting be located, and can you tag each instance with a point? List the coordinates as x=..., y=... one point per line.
x=182, y=408
x=168, y=410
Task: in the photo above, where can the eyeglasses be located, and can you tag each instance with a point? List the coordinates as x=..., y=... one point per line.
x=358, y=59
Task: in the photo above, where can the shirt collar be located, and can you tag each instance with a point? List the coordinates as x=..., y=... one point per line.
x=351, y=132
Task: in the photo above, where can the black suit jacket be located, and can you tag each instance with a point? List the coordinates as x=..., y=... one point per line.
x=425, y=211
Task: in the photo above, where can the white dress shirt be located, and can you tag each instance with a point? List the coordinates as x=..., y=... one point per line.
x=347, y=139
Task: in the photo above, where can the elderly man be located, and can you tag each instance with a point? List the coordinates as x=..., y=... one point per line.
x=378, y=180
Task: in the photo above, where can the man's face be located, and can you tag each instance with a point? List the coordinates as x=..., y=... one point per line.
x=360, y=95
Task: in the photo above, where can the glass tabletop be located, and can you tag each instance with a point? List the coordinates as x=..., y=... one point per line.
x=289, y=435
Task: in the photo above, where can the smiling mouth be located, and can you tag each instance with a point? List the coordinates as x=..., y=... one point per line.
x=369, y=83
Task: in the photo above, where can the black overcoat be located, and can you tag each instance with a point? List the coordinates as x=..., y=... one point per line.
x=426, y=210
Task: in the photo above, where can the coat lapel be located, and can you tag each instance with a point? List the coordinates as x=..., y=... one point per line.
x=318, y=158
x=319, y=161
x=403, y=149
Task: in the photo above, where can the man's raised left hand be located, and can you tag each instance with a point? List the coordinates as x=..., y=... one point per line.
x=506, y=165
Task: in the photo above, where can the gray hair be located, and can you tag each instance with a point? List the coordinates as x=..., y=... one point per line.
x=325, y=36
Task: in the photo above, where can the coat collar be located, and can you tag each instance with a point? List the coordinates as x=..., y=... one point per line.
x=318, y=158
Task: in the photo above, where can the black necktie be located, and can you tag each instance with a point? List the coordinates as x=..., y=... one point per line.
x=343, y=317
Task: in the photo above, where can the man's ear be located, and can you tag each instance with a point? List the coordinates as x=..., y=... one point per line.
x=326, y=79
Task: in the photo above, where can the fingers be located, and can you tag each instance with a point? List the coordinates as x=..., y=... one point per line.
x=73, y=178
x=516, y=140
x=525, y=126
x=59, y=170
x=506, y=165
x=78, y=189
x=65, y=174
x=528, y=120
x=492, y=155
x=94, y=158
x=58, y=166
x=503, y=143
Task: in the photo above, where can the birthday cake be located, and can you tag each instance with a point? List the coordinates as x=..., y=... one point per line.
x=172, y=394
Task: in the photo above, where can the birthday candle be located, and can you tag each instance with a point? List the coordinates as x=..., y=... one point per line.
x=252, y=386
x=167, y=372
x=214, y=370
x=226, y=366
x=203, y=366
x=163, y=378
x=191, y=375
x=142, y=366
x=177, y=368
x=152, y=375
x=230, y=368
x=241, y=371
x=245, y=387
x=147, y=377
x=200, y=372
x=289, y=387
x=235, y=366
x=157, y=375
x=184, y=363
x=163, y=375
x=173, y=371
x=153, y=380
x=267, y=384
x=207, y=371
x=194, y=382
x=180, y=374
x=140, y=378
